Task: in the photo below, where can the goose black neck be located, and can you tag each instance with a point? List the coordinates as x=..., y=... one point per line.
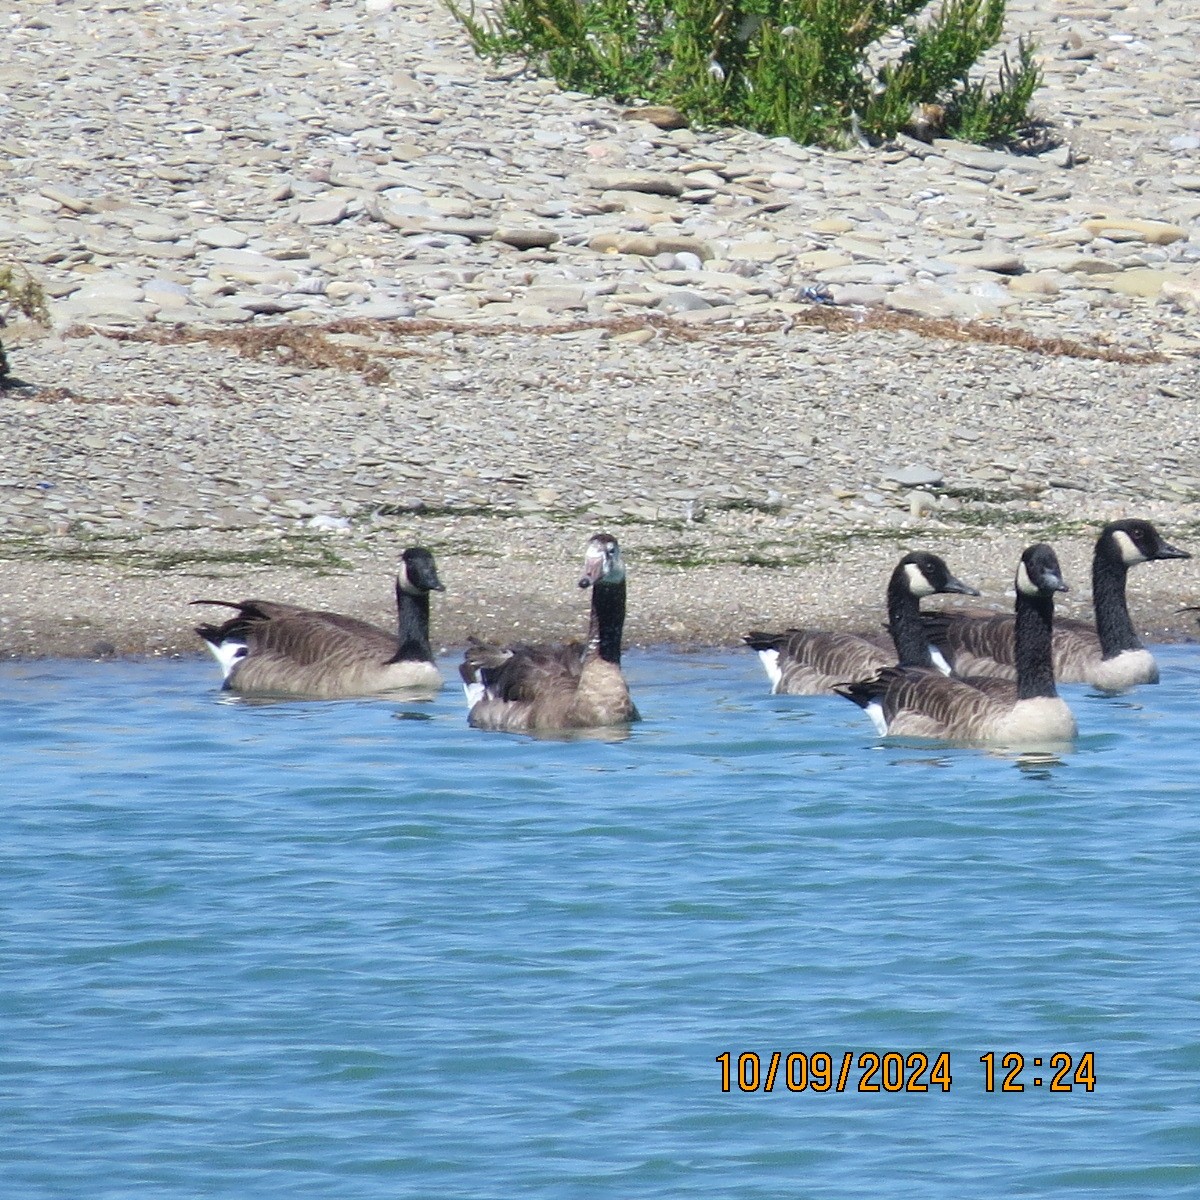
x=1113, y=626
x=904, y=623
x=1034, y=651
x=412, y=627
x=608, y=621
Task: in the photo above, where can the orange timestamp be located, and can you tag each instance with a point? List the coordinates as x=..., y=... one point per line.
x=895, y=1071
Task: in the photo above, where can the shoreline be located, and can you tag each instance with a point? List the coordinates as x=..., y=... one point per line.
x=458, y=307
x=100, y=610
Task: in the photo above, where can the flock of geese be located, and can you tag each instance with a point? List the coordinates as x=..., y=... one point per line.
x=962, y=676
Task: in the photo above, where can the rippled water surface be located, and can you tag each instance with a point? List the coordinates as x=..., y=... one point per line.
x=356, y=949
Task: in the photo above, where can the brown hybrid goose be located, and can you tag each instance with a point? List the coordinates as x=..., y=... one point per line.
x=573, y=686
x=275, y=649
x=1108, y=655
x=918, y=702
x=810, y=662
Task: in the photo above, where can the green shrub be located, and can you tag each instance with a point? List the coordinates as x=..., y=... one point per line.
x=813, y=70
x=20, y=294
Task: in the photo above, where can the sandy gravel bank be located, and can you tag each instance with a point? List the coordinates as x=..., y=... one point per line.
x=325, y=286
x=131, y=598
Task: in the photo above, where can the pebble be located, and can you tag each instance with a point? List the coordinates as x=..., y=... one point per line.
x=468, y=166
x=650, y=182
x=915, y=476
x=662, y=115
x=1183, y=292
x=995, y=259
x=526, y=239
x=222, y=236
x=217, y=191
x=1132, y=229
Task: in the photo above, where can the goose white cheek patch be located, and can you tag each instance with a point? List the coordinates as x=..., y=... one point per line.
x=1130, y=554
x=406, y=584
x=917, y=583
x=1025, y=585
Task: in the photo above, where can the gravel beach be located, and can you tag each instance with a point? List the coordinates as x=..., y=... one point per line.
x=324, y=285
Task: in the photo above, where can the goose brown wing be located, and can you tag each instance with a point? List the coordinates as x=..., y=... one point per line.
x=920, y=702
x=523, y=673
x=1077, y=651
x=969, y=642
x=813, y=660
x=836, y=656
x=1003, y=690
x=986, y=645
x=306, y=637
x=249, y=614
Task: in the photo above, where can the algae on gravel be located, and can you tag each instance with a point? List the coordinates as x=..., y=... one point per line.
x=129, y=553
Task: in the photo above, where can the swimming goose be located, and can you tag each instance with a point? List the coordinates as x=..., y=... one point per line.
x=571, y=686
x=277, y=649
x=809, y=662
x=1108, y=655
x=918, y=702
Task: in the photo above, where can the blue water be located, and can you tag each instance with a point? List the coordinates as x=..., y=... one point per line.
x=356, y=949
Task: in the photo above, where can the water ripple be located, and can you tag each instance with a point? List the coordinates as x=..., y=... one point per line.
x=356, y=949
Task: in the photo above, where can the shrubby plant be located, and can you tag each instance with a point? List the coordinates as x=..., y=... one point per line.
x=813, y=70
x=20, y=294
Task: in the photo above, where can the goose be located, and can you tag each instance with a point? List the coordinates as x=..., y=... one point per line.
x=918, y=702
x=810, y=662
x=572, y=686
x=1108, y=655
x=277, y=649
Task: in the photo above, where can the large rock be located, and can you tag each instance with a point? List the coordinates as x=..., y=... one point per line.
x=642, y=244
x=328, y=210
x=1041, y=283
x=929, y=300
x=977, y=159
x=997, y=259
x=1134, y=229
x=526, y=238
x=916, y=476
x=1146, y=282
x=662, y=115
x=651, y=182
x=1069, y=262
x=224, y=237
x=1183, y=292
x=760, y=249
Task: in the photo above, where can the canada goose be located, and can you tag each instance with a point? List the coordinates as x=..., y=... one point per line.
x=1108, y=655
x=277, y=649
x=918, y=702
x=809, y=662
x=569, y=686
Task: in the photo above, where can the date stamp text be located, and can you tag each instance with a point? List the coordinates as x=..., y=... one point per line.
x=898, y=1071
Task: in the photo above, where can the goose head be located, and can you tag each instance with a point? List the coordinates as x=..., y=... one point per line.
x=926, y=574
x=1038, y=573
x=602, y=562
x=1135, y=541
x=418, y=574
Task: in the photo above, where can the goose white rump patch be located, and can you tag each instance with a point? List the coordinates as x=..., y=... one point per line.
x=228, y=654
x=939, y=661
x=770, y=662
